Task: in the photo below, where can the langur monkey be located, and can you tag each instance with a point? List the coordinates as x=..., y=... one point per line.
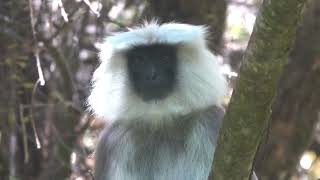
x=161, y=89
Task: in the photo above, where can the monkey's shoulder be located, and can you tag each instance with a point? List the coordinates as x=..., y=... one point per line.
x=179, y=129
x=138, y=151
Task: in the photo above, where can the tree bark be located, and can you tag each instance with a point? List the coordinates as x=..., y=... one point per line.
x=297, y=105
x=249, y=111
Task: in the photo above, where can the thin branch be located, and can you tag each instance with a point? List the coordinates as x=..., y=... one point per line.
x=36, y=52
x=32, y=115
x=25, y=135
x=60, y=61
x=40, y=72
x=61, y=28
x=63, y=11
x=92, y=9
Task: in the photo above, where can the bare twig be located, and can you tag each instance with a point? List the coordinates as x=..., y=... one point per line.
x=25, y=135
x=36, y=53
x=32, y=114
x=92, y=9
x=60, y=61
x=40, y=72
x=63, y=26
x=63, y=11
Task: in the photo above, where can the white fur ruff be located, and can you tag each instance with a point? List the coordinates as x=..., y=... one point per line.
x=200, y=80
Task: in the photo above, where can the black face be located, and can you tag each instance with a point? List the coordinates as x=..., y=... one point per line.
x=152, y=70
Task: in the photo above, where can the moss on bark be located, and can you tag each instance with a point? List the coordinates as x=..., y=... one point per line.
x=250, y=107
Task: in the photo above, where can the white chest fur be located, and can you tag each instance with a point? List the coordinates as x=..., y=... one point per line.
x=163, y=159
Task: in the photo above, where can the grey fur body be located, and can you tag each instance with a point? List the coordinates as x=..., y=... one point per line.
x=180, y=150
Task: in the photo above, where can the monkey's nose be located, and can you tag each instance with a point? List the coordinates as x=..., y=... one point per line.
x=152, y=77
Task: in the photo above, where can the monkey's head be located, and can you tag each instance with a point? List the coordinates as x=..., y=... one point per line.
x=156, y=72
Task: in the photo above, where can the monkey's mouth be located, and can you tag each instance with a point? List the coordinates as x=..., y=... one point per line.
x=153, y=91
x=151, y=86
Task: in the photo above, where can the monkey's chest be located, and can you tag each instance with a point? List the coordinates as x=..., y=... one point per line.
x=161, y=156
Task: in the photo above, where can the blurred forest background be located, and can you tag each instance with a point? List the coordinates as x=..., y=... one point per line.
x=48, y=51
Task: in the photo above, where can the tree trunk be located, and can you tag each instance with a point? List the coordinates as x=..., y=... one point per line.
x=249, y=111
x=296, y=110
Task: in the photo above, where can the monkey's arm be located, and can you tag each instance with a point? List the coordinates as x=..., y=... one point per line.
x=107, y=149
